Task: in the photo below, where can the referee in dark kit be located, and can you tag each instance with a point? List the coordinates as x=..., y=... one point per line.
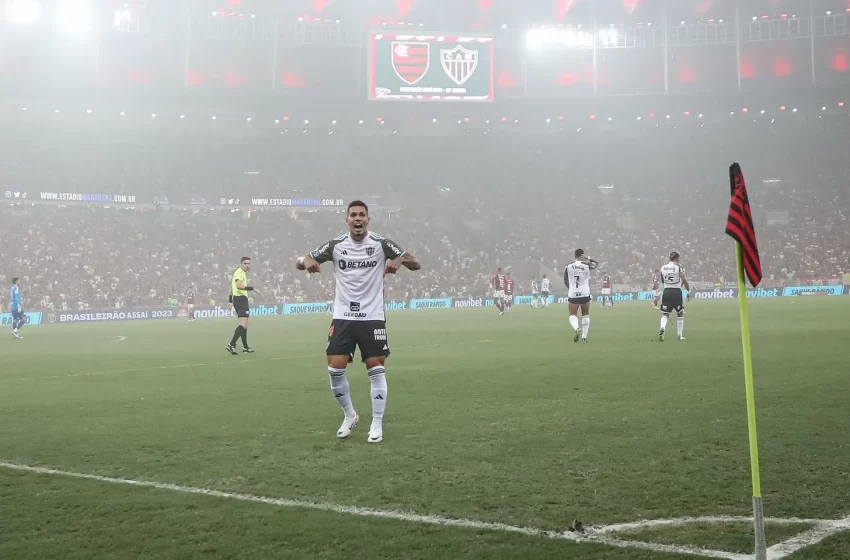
x=239, y=289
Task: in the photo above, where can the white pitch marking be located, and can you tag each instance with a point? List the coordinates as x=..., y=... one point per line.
x=808, y=538
x=645, y=524
x=596, y=536
x=119, y=338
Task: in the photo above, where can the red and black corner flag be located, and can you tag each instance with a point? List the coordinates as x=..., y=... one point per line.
x=739, y=225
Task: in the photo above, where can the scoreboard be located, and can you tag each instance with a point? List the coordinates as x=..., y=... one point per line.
x=447, y=67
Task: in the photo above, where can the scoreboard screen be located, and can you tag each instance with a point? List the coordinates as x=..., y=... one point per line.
x=430, y=67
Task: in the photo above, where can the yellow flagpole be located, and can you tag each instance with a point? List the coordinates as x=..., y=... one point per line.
x=758, y=506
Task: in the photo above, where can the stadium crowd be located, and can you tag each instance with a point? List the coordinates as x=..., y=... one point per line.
x=463, y=206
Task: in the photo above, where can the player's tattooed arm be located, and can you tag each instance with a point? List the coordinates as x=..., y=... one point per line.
x=410, y=262
x=406, y=260
x=397, y=258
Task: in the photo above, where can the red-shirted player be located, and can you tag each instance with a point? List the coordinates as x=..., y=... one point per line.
x=656, y=295
x=498, y=283
x=509, y=292
x=606, y=291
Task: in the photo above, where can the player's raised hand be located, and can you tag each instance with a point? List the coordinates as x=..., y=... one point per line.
x=393, y=265
x=309, y=264
x=406, y=260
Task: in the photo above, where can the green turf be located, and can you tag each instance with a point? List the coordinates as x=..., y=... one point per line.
x=503, y=420
x=734, y=537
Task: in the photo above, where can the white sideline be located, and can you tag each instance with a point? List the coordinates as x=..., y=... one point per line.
x=597, y=535
x=153, y=368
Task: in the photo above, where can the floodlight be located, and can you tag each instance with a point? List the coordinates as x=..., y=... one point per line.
x=75, y=16
x=23, y=12
x=122, y=17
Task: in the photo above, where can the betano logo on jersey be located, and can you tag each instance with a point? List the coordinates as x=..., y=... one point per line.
x=349, y=265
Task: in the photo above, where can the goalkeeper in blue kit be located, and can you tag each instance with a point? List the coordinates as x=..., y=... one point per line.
x=18, y=317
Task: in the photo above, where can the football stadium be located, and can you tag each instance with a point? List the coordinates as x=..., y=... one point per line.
x=561, y=269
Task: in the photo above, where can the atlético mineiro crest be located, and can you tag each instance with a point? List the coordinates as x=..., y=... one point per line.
x=459, y=63
x=411, y=60
x=370, y=251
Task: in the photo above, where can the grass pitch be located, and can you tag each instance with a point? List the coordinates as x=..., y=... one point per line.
x=491, y=419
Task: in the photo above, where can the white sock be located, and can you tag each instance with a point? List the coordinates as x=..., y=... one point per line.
x=680, y=326
x=378, y=378
x=585, y=325
x=574, y=322
x=663, y=322
x=339, y=388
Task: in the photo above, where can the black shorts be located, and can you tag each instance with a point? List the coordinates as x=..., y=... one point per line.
x=241, y=306
x=671, y=300
x=18, y=315
x=370, y=336
x=545, y=295
x=579, y=300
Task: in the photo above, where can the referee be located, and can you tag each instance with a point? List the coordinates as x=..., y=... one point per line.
x=239, y=289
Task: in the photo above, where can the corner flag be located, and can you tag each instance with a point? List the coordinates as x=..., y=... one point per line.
x=739, y=226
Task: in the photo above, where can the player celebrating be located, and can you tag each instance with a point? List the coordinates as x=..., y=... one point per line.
x=17, y=308
x=673, y=278
x=544, y=291
x=656, y=292
x=606, y=290
x=360, y=261
x=577, y=280
x=498, y=283
x=509, y=292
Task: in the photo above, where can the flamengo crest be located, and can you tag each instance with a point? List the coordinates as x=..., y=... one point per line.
x=411, y=60
x=459, y=63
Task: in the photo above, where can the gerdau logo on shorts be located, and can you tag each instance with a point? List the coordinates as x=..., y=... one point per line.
x=354, y=310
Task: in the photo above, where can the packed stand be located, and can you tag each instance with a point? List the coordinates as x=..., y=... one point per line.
x=523, y=202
